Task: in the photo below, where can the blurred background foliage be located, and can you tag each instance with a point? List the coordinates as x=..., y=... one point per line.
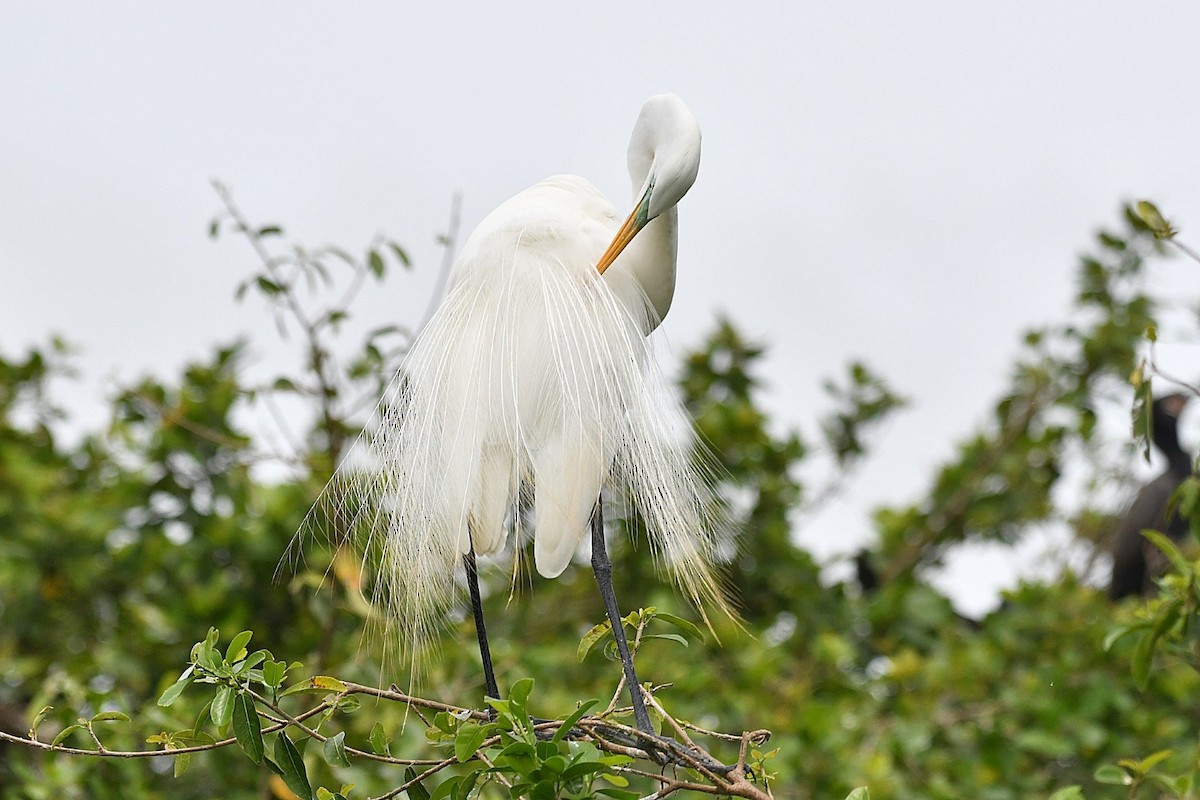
x=119, y=548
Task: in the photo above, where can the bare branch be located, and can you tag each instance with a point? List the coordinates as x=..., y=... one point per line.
x=603, y=732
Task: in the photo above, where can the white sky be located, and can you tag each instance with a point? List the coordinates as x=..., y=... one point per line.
x=905, y=183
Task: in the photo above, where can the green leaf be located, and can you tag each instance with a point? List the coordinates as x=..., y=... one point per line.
x=581, y=770
x=181, y=764
x=251, y=661
x=416, y=791
x=1163, y=543
x=237, y=647
x=302, y=686
x=386, y=330
x=463, y=790
x=1149, y=214
x=619, y=794
x=1149, y=762
x=375, y=261
x=247, y=728
x=518, y=695
x=204, y=653
x=518, y=749
x=446, y=788
x=328, y=683
x=37, y=720
x=202, y=719
x=222, y=707
x=292, y=764
x=335, y=750
x=1117, y=633
x=64, y=733
x=348, y=704
x=687, y=626
x=671, y=637
x=860, y=793
x=1044, y=743
x=273, y=673
x=380, y=741
x=568, y=723
x=111, y=716
x=269, y=230
x=1178, y=785
x=401, y=255
x=1143, y=401
x=1141, y=659
x=1168, y=615
x=1112, y=775
x=592, y=638
x=268, y=286
x=468, y=741
x=175, y=689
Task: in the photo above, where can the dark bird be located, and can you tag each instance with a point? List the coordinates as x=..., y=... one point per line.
x=1136, y=562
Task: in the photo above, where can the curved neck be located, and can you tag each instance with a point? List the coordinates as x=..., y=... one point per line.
x=650, y=261
x=1166, y=439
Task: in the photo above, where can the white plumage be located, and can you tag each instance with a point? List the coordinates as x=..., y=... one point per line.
x=535, y=371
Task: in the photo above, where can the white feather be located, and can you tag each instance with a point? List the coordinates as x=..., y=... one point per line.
x=534, y=369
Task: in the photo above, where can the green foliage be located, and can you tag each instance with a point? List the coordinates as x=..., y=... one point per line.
x=505, y=748
x=1002, y=479
x=121, y=547
x=758, y=468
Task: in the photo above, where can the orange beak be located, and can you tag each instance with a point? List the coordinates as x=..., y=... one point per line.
x=635, y=222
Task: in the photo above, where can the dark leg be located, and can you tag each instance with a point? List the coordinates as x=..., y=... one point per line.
x=603, y=569
x=485, y=652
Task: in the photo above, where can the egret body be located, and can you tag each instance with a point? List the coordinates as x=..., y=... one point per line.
x=534, y=375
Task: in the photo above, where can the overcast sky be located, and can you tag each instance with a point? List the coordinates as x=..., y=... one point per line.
x=909, y=184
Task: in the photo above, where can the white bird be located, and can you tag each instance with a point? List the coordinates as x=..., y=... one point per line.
x=535, y=371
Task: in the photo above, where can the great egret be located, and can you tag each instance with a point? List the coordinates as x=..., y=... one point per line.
x=535, y=375
x=1136, y=562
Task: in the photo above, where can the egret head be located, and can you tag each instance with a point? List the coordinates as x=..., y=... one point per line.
x=664, y=153
x=664, y=157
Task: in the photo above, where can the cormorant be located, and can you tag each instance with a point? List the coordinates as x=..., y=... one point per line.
x=1136, y=562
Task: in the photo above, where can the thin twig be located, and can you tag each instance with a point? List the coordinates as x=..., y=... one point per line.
x=449, y=242
x=441, y=765
x=289, y=720
x=1195, y=390
x=170, y=751
x=604, y=733
x=671, y=721
x=319, y=356
x=359, y=279
x=1187, y=251
x=245, y=454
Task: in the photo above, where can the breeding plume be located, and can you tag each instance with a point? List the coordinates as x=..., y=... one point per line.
x=534, y=378
x=1136, y=562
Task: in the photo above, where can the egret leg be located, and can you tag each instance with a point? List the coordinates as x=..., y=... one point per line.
x=602, y=566
x=485, y=652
